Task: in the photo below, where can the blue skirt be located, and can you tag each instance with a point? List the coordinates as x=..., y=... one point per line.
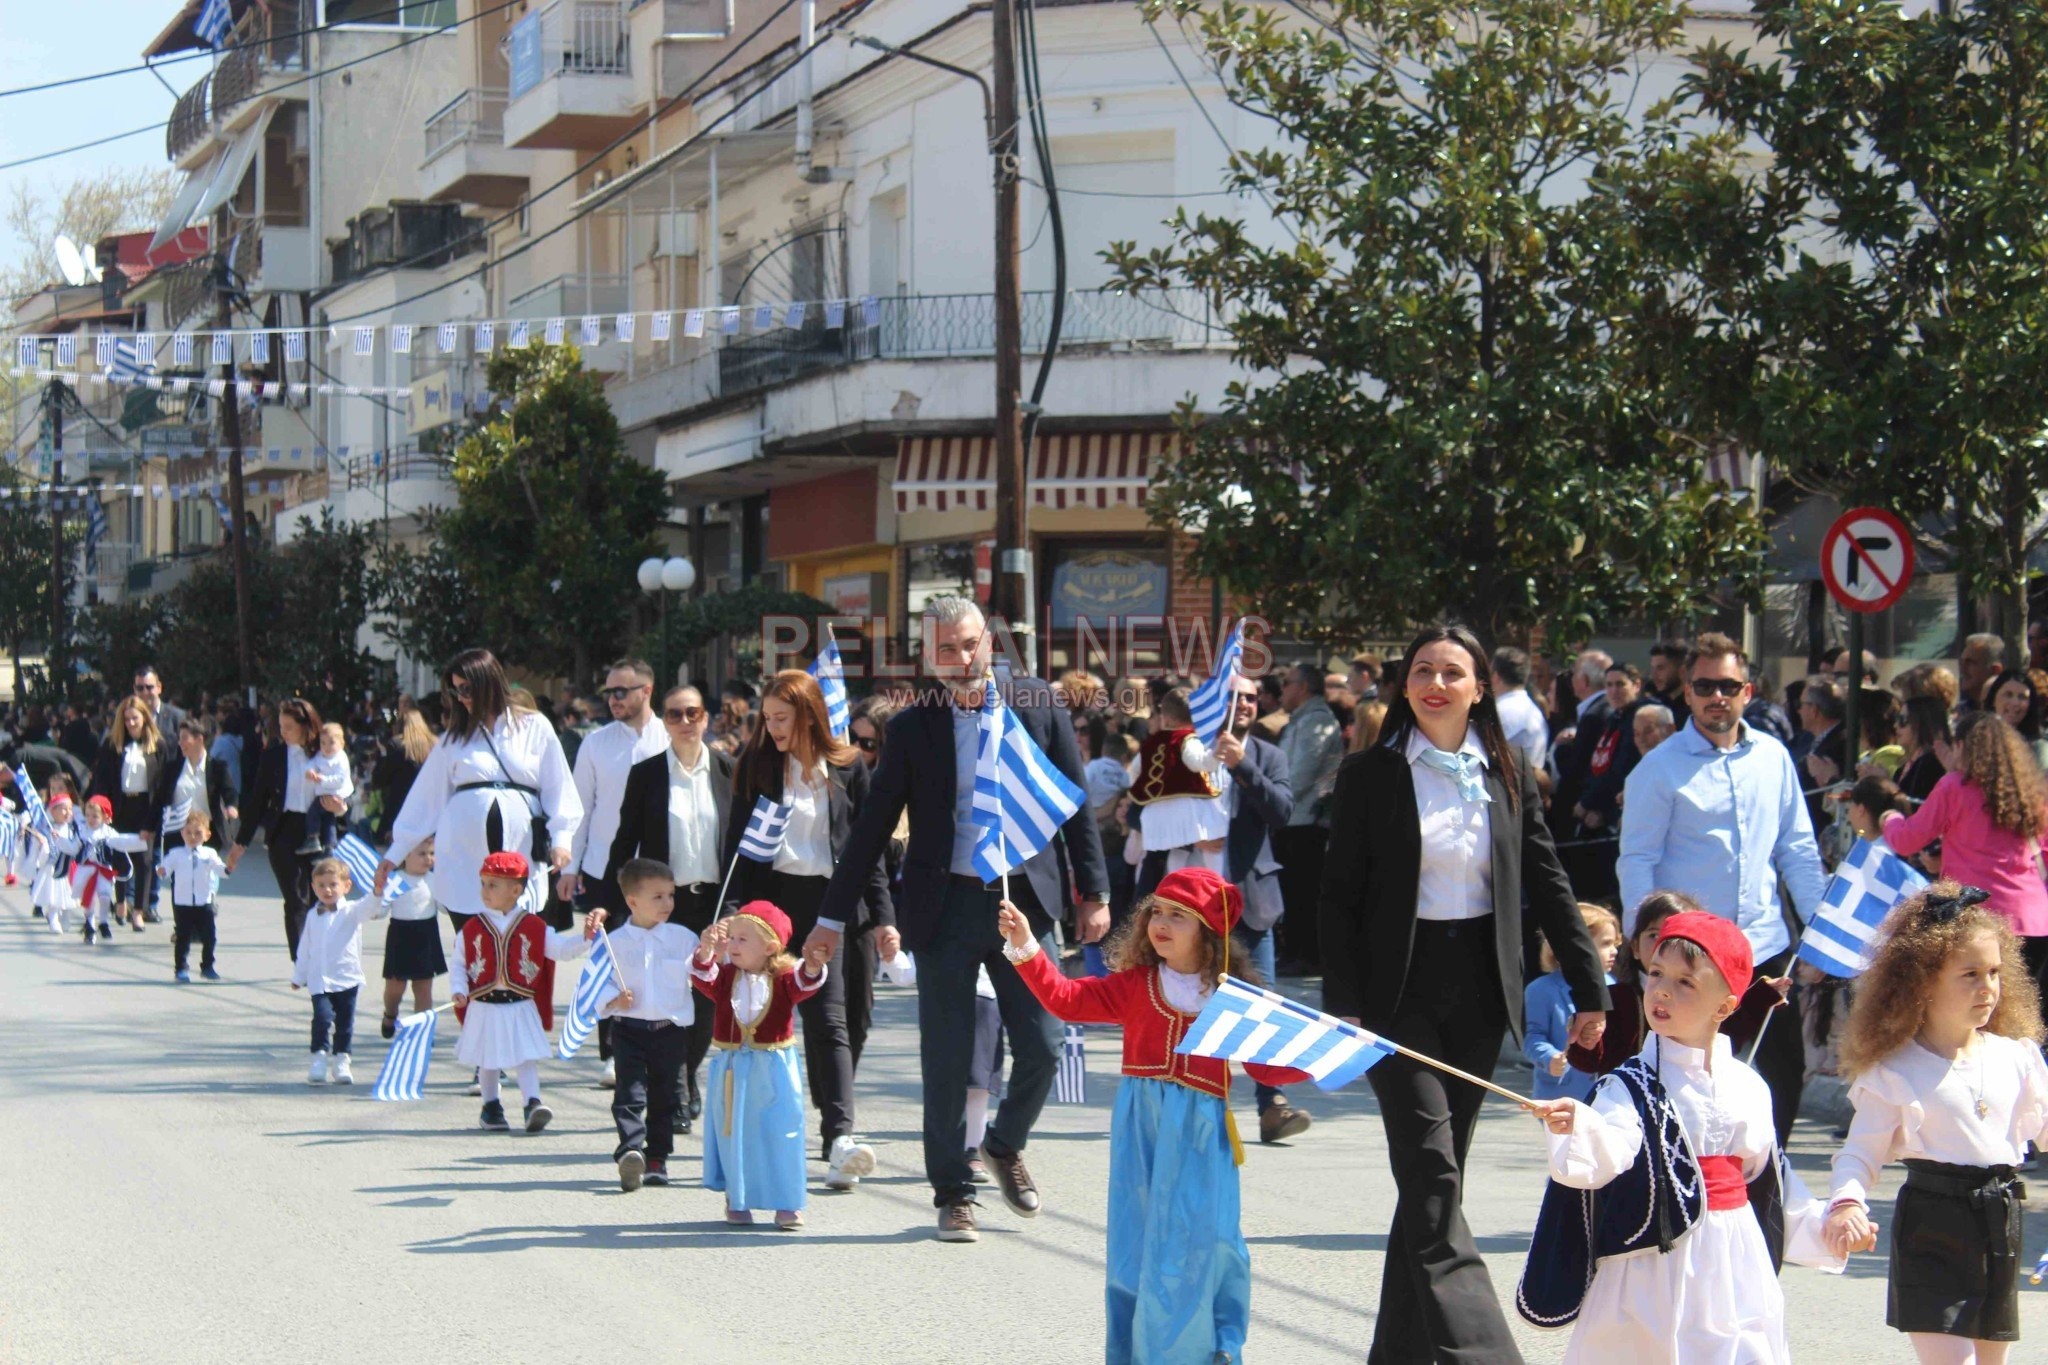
x=754, y=1128
x=1180, y=1276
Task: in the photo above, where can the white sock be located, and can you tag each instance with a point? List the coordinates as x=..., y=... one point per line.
x=977, y=1115
x=529, y=1080
x=487, y=1080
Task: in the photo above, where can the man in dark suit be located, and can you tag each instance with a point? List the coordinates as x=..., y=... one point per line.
x=947, y=914
x=150, y=688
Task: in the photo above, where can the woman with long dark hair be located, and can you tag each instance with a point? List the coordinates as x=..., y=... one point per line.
x=1927, y=740
x=1435, y=833
x=794, y=758
x=496, y=782
x=278, y=800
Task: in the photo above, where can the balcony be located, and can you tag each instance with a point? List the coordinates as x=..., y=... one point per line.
x=275, y=255
x=265, y=43
x=403, y=234
x=467, y=160
x=571, y=83
x=191, y=120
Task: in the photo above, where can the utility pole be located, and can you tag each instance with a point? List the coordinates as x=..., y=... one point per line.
x=53, y=400
x=1009, y=589
x=231, y=434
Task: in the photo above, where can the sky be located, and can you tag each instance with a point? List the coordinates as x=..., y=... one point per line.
x=51, y=41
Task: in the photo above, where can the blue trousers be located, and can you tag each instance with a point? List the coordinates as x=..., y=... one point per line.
x=334, y=1012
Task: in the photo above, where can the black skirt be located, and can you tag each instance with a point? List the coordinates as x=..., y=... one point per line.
x=412, y=950
x=1956, y=1252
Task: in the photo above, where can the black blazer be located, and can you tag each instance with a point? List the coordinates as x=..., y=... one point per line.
x=643, y=810
x=851, y=787
x=220, y=794
x=1370, y=878
x=137, y=813
x=263, y=806
x=918, y=770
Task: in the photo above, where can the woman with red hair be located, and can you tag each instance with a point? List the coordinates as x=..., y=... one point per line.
x=795, y=759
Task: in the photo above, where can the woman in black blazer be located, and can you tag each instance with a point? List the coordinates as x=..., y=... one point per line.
x=277, y=805
x=210, y=775
x=795, y=738
x=130, y=763
x=1435, y=835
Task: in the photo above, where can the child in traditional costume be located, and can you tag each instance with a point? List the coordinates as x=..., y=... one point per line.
x=1179, y=1273
x=1670, y=1206
x=84, y=861
x=754, y=1115
x=1179, y=791
x=1946, y=1076
x=503, y=985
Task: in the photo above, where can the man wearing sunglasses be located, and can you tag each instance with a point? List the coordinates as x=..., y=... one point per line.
x=1715, y=811
x=602, y=762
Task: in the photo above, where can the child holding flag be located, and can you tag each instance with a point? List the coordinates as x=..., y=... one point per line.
x=86, y=861
x=651, y=1017
x=412, y=943
x=1671, y=1264
x=754, y=1118
x=1179, y=1273
x=50, y=893
x=329, y=966
x=1946, y=1075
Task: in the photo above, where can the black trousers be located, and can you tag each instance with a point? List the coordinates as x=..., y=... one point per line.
x=192, y=924
x=862, y=967
x=1781, y=1052
x=1300, y=851
x=828, y=1047
x=294, y=881
x=1437, y=1302
x=650, y=1060
x=694, y=908
x=967, y=939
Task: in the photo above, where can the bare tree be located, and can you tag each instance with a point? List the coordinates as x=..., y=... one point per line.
x=124, y=199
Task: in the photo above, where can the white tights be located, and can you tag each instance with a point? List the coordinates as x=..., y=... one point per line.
x=977, y=1116
x=529, y=1081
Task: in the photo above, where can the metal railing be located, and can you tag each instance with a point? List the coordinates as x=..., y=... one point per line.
x=572, y=297
x=472, y=116
x=569, y=37
x=191, y=118
x=266, y=40
x=376, y=468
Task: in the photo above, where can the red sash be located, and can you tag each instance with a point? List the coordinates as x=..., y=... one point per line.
x=1726, y=1189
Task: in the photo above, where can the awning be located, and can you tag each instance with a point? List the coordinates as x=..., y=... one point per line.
x=232, y=166
x=946, y=473
x=184, y=203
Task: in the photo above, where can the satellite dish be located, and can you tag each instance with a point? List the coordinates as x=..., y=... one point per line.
x=70, y=261
x=92, y=263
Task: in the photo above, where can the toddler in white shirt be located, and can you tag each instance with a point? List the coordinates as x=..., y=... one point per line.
x=327, y=774
x=193, y=872
x=650, y=1018
x=329, y=964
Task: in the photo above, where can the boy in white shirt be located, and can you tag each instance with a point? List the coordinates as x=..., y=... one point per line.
x=650, y=1018
x=192, y=872
x=330, y=965
x=327, y=774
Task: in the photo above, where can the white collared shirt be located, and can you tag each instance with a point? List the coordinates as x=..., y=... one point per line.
x=1456, y=880
x=602, y=762
x=194, y=874
x=296, y=796
x=134, y=770
x=328, y=775
x=654, y=964
x=807, y=842
x=191, y=785
x=692, y=820
x=330, y=956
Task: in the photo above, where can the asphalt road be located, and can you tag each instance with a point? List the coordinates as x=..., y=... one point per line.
x=179, y=1193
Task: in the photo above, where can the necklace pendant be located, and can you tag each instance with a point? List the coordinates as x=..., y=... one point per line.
x=1983, y=1109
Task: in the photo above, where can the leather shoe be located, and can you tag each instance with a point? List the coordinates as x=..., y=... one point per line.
x=956, y=1222
x=1282, y=1121
x=1014, y=1181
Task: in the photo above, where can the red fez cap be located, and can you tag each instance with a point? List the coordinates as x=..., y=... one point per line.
x=102, y=805
x=507, y=864
x=771, y=919
x=1203, y=894
x=1726, y=946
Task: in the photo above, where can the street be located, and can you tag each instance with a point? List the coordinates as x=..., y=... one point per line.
x=180, y=1193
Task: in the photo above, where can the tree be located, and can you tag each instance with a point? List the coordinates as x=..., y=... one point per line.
x=1465, y=370
x=86, y=209
x=24, y=567
x=427, y=604
x=552, y=516
x=1886, y=267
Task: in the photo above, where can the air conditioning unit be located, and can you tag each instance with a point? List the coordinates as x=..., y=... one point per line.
x=675, y=234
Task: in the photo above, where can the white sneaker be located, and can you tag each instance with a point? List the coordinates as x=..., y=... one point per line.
x=849, y=1161
x=316, y=1074
x=341, y=1075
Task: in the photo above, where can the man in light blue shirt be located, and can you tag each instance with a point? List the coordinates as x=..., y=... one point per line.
x=1716, y=812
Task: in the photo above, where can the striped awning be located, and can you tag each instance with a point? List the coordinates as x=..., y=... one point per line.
x=958, y=473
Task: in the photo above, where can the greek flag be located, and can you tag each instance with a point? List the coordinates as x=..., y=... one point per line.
x=176, y=816
x=404, y=1073
x=1020, y=798
x=1865, y=887
x=1209, y=704
x=10, y=837
x=213, y=24
x=361, y=861
x=1242, y=1023
x=762, y=839
x=34, y=814
x=1070, y=1082
x=95, y=531
x=831, y=676
x=597, y=984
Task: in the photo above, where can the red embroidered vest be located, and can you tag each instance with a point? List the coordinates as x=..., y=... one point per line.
x=515, y=961
x=1161, y=772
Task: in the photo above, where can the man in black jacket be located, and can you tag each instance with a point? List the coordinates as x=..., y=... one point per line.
x=947, y=914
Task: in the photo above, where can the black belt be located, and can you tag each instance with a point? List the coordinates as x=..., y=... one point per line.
x=499, y=998
x=1457, y=928
x=977, y=883
x=618, y=1020
x=1980, y=1185
x=498, y=786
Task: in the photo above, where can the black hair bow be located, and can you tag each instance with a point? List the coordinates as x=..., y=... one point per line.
x=1942, y=909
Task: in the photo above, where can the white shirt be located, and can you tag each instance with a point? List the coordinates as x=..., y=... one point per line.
x=1522, y=721
x=191, y=785
x=328, y=775
x=1456, y=880
x=330, y=956
x=194, y=874
x=692, y=820
x=807, y=842
x=134, y=770
x=296, y=797
x=602, y=762
x=1185, y=991
x=655, y=965
x=416, y=902
x=1917, y=1104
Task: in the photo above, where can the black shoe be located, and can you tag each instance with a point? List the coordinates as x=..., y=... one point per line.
x=493, y=1117
x=88, y=933
x=150, y=916
x=696, y=1101
x=310, y=848
x=388, y=1027
x=537, y=1116
x=107, y=933
x=684, y=1125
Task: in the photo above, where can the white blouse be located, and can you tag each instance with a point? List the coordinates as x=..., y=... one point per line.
x=1920, y=1105
x=807, y=841
x=134, y=770
x=692, y=820
x=1456, y=877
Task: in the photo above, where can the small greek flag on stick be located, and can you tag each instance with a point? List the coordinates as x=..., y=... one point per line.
x=361, y=861
x=1209, y=704
x=1242, y=1023
x=34, y=814
x=762, y=839
x=1020, y=799
x=1865, y=887
x=176, y=816
x=1070, y=1083
x=404, y=1073
x=831, y=675
x=10, y=836
x=598, y=983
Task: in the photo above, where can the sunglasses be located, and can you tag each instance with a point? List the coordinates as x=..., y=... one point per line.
x=1725, y=687
x=866, y=746
x=458, y=687
x=621, y=693
x=683, y=715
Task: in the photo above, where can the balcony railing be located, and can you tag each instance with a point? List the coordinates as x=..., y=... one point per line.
x=377, y=468
x=472, y=116
x=569, y=37
x=266, y=40
x=572, y=297
x=191, y=118
x=403, y=233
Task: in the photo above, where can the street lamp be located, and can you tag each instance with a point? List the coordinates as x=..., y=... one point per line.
x=666, y=576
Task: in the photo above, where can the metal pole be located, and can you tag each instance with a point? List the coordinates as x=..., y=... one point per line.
x=231, y=433
x=1852, y=700
x=1009, y=593
x=54, y=655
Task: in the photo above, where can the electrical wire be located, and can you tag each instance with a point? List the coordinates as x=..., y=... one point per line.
x=1133, y=194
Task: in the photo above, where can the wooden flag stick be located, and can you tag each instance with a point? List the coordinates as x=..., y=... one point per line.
x=1412, y=1055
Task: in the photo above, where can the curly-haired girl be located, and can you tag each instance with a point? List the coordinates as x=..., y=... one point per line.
x=1947, y=1075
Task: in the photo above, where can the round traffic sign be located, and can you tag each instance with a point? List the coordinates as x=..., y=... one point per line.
x=1866, y=559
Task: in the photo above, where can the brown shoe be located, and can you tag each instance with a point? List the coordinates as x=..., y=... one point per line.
x=956, y=1222
x=1014, y=1181
x=1282, y=1121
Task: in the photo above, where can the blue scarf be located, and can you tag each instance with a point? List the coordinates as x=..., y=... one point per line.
x=1468, y=770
